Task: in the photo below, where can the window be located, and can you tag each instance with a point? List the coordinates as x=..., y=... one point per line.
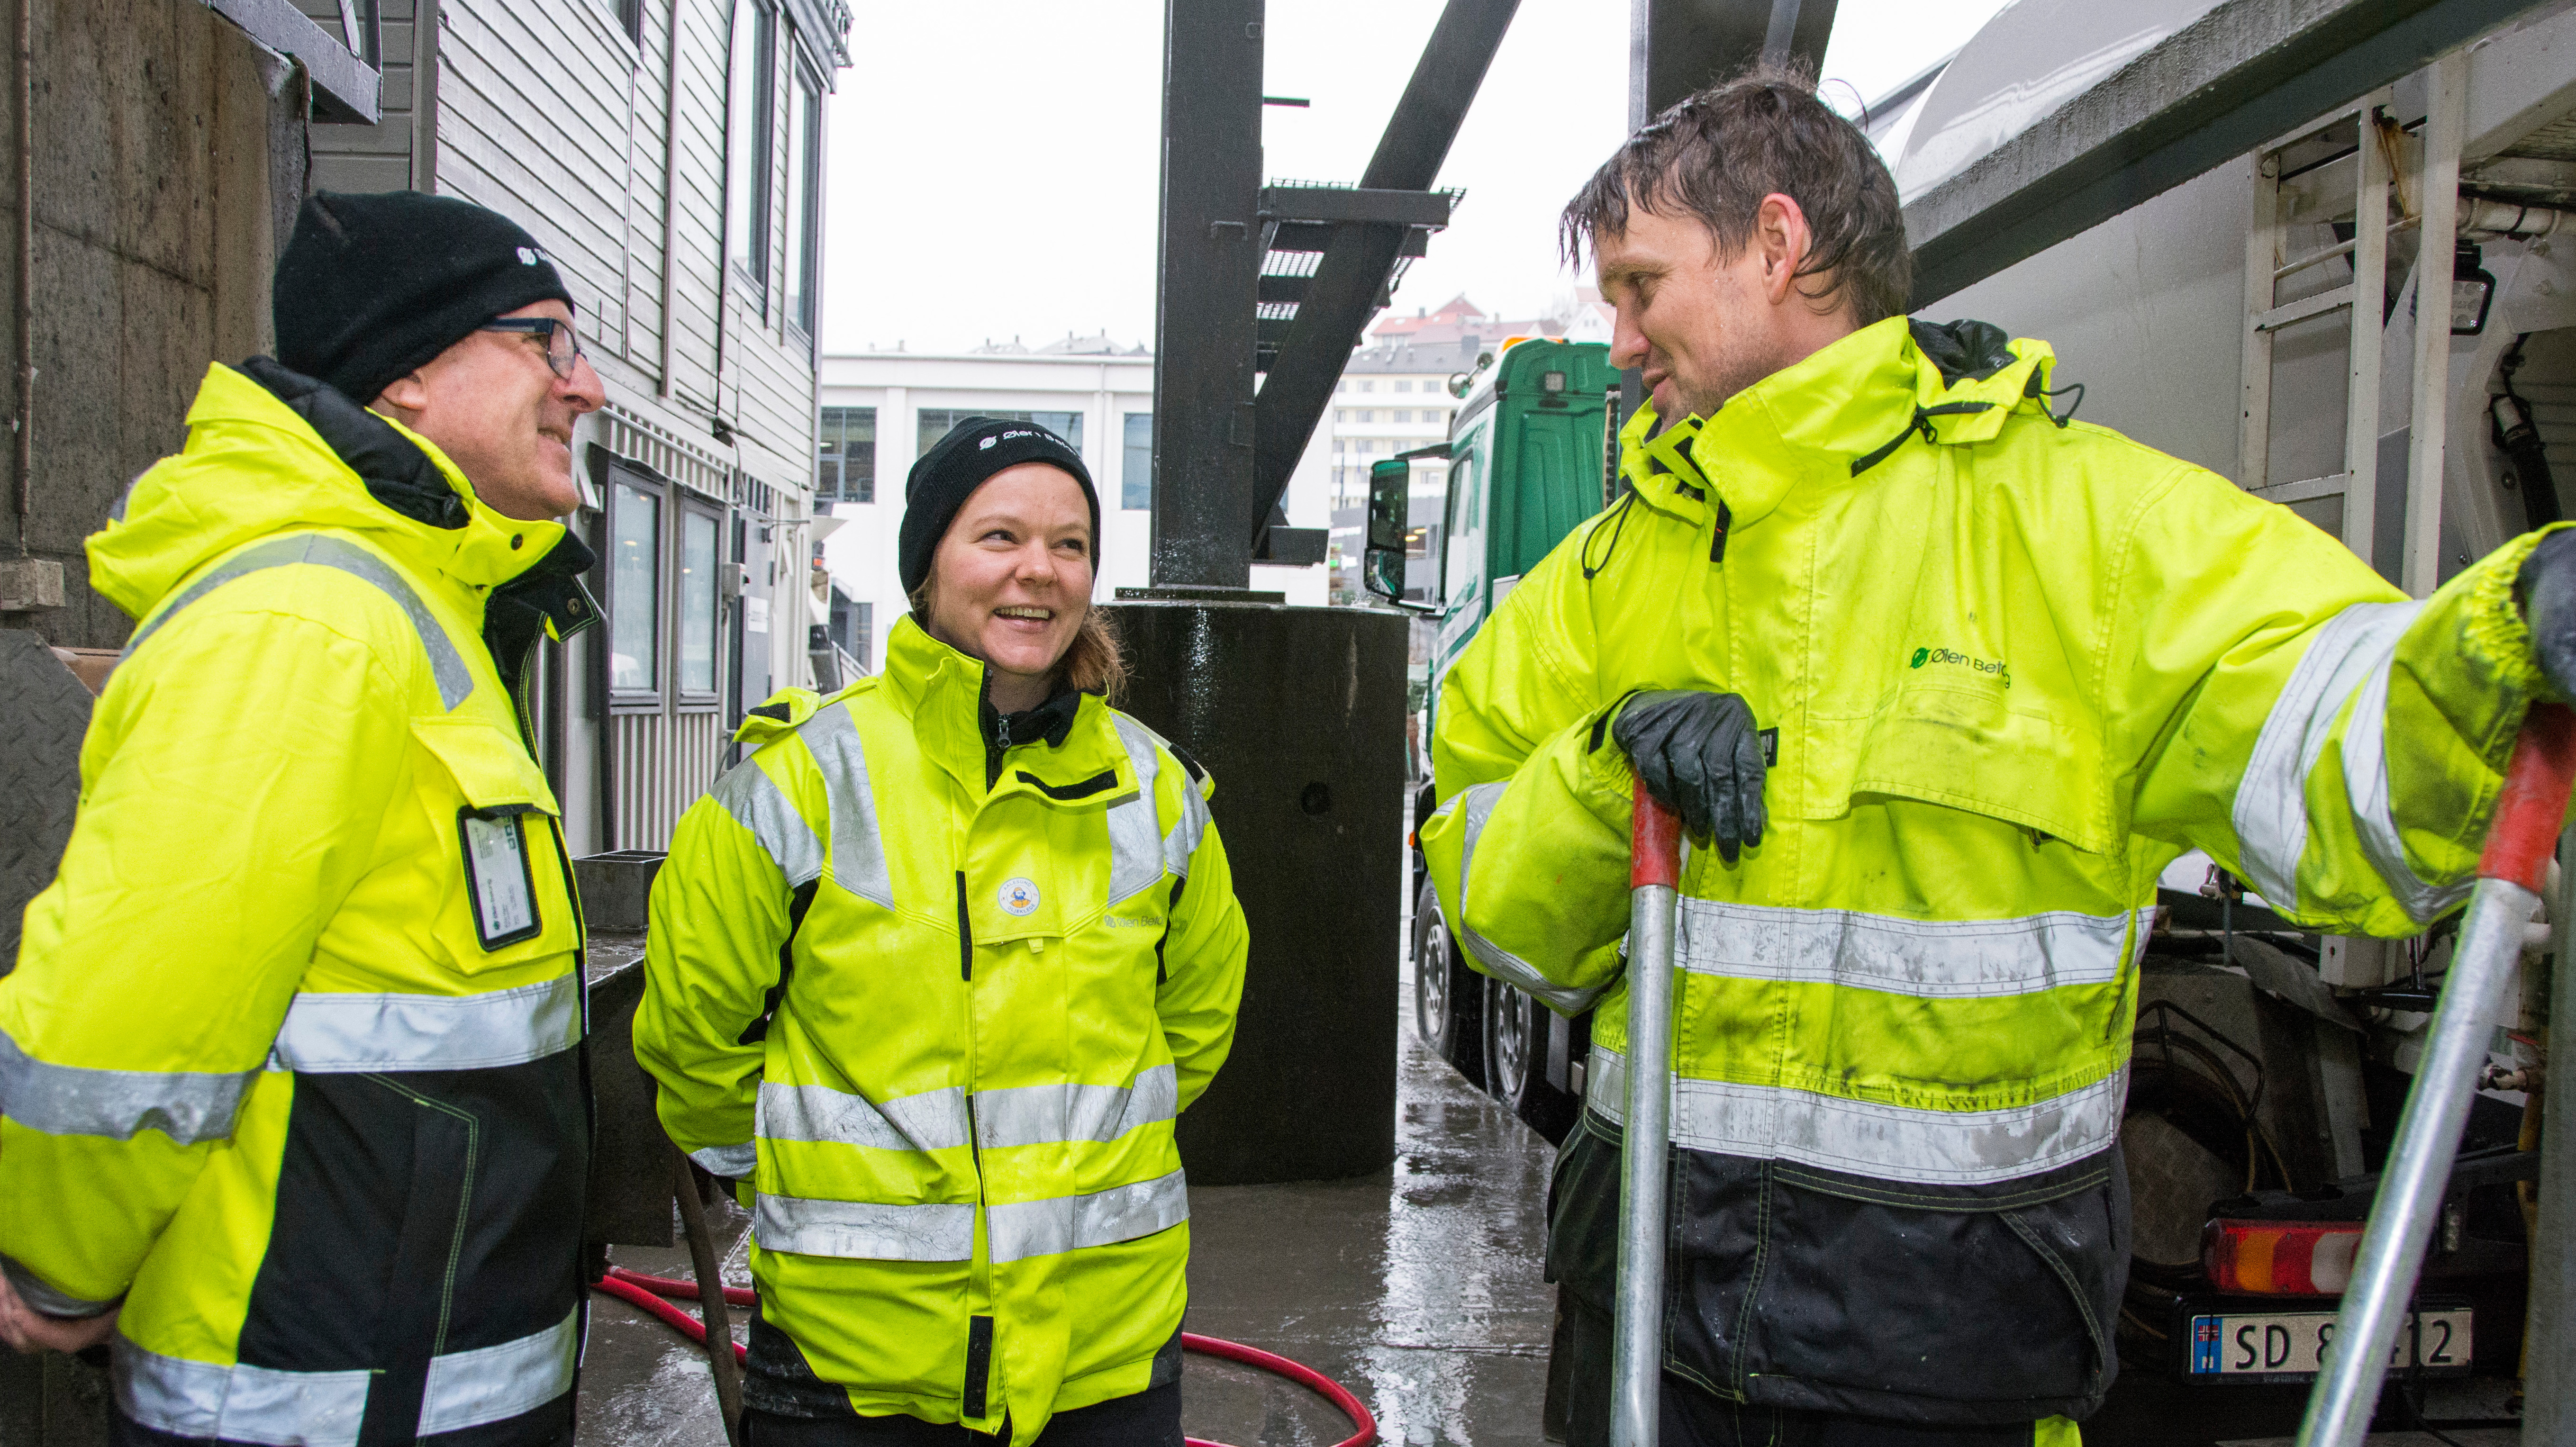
x=845, y=462
x=634, y=575
x=1136, y=466
x=804, y=191
x=936, y=422
x=1404, y=417
x=1404, y=384
x=1367, y=386
x=697, y=661
x=853, y=625
x=749, y=140
x=630, y=18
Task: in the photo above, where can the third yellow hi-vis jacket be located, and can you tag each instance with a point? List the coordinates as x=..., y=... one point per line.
x=2015, y=666
x=937, y=1007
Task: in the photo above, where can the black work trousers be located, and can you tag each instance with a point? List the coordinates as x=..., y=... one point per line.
x=1150, y=1418
x=1692, y=1417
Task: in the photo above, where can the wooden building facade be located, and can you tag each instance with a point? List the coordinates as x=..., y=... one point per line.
x=668, y=155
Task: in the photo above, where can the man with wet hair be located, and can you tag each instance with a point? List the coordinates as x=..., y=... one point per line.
x=1939, y=680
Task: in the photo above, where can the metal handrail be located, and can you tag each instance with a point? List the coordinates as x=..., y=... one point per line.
x=2511, y=874
x=1637, y=1347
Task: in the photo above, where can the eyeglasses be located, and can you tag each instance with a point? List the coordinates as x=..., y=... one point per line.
x=563, y=348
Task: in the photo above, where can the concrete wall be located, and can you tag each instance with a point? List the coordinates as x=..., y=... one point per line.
x=165, y=162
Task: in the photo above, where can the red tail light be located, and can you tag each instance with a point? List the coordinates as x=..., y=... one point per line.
x=2280, y=1258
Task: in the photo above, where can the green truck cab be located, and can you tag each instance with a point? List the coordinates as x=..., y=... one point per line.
x=1529, y=457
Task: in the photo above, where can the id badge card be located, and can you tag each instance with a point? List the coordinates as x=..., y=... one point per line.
x=498, y=878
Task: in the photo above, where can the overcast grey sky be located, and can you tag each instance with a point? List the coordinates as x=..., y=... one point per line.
x=993, y=168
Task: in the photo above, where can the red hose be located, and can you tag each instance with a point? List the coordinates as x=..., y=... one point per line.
x=645, y=1301
x=1298, y=1372
x=682, y=1290
x=646, y=1292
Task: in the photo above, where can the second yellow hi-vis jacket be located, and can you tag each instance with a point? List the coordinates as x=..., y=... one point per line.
x=2015, y=666
x=937, y=1005
x=289, y=1060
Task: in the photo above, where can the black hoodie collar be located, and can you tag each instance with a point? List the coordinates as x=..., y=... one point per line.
x=401, y=477
x=1051, y=721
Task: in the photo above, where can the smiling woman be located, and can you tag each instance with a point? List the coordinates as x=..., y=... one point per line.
x=953, y=1050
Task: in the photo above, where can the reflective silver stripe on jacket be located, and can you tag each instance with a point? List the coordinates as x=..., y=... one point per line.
x=1136, y=856
x=737, y=1161
x=323, y=1409
x=334, y=1034
x=496, y=1383
x=455, y=680
x=1479, y=801
x=757, y=804
x=858, y=851
x=2365, y=781
x=187, y=1106
x=929, y=1121
x=1868, y=1138
x=862, y=1231
x=1032, y=1115
x=2271, y=813
x=1020, y=1229
x=1927, y=959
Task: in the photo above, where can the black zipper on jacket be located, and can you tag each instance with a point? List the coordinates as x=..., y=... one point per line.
x=965, y=934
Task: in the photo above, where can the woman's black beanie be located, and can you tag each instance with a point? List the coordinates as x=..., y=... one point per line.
x=959, y=463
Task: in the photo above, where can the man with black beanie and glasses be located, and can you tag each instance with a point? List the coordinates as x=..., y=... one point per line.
x=291, y=1113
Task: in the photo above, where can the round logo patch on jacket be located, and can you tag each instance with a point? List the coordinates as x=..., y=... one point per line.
x=1019, y=896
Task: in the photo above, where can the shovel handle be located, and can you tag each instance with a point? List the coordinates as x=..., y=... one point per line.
x=2534, y=802
x=1655, y=844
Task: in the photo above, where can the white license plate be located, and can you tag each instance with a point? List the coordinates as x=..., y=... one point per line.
x=2289, y=1343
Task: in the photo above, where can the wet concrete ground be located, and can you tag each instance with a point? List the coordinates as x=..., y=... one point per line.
x=1418, y=1288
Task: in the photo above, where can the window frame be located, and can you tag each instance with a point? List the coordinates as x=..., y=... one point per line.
x=803, y=310
x=755, y=171
x=622, y=475
x=825, y=418
x=685, y=699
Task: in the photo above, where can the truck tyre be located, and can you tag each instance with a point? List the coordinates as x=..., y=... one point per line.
x=1515, y=1036
x=1434, y=976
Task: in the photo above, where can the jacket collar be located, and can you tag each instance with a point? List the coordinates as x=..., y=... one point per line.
x=943, y=690
x=1828, y=420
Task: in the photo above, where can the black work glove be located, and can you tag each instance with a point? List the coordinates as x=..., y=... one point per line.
x=2546, y=588
x=1701, y=757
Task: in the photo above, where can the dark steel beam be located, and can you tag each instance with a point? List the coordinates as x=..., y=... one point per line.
x=1342, y=203
x=2243, y=73
x=1362, y=254
x=1209, y=269
x=345, y=88
x=1318, y=236
x=1678, y=46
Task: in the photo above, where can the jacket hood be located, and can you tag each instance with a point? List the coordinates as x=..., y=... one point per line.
x=1838, y=413
x=257, y=463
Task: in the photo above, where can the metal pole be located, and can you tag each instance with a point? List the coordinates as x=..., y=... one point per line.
x=26, y=440
x=1637, y=1345
x=711, y=1302
x=1209, y=283
x=2438, y=205
x=2510, y=875
x=2549, y=1361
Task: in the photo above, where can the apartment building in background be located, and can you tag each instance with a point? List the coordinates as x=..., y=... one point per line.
x=669, y=157
x=882, y=409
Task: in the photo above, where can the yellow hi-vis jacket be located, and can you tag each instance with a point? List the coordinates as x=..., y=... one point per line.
x=2016, y=666
x=937, y=1006
x=288, y=1061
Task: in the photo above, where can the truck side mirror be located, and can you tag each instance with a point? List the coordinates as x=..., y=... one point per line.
x=1389, y=508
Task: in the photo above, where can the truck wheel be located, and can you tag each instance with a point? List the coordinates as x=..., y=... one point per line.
x=1513, y=1037
x=1433, y=972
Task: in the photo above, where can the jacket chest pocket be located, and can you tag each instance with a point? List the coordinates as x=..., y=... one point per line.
x=1967, y=748
x=509, y=903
